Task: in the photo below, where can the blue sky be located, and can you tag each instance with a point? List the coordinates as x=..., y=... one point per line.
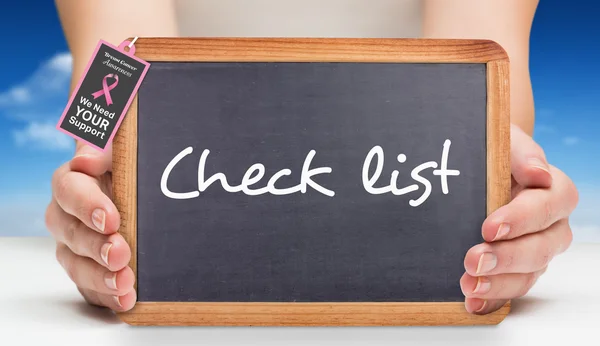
x=36, y=74
x=29, y=50
x=564, y=50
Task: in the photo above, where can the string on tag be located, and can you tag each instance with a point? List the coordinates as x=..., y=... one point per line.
x=132, y=42
x=130, y=46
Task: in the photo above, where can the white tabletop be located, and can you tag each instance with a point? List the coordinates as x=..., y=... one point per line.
x=40, y=306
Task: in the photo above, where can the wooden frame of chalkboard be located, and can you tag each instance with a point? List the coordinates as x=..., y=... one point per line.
x=316, y=50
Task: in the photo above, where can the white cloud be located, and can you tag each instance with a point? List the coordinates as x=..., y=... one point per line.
x=49, y=82
x=16, y=95
x=61, y=62
x=37, y=103
x=43, y=136
x=571, y=140
x=54, y=75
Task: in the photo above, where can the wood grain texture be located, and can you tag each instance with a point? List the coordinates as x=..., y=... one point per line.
x=307, y=314
x=125, y=179
x=498, y=135
x=318, y=50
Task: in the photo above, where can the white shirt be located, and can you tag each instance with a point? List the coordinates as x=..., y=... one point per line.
x=300, y=18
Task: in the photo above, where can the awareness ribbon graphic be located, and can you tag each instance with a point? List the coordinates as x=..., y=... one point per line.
x=106, y=88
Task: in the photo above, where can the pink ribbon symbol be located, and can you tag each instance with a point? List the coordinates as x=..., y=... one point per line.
x=106, y=88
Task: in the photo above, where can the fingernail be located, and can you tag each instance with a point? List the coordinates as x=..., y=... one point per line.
x=472, y=309
x=487, y=262
x=482, y=306
x=502, y=231
x=483, y=285
x=84, y=155
x=117, y=301
x=104, y=250
x=110, y=279
x=98, y=219
x=537, y=163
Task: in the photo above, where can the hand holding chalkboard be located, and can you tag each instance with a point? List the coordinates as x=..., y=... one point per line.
x=310, y=181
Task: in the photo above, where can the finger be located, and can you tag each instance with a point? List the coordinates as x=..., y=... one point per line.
x=532, y=210
x=110, y=251
x=79, y=195
x=502, y=286
x=482, y=306
x=87, y=274
x=117, y=303
x=525, y=254
x=92, y=161
x=91, y=297
x=528, y=161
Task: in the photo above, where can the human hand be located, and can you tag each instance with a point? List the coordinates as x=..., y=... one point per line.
x=84, y=221
x=522, y=237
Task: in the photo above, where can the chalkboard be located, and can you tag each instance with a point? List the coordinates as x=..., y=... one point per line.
x=309, y=181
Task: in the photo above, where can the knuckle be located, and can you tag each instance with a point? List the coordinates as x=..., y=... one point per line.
x=96, y=277
x=89, y=296
x=530, y=279
x=537, y=151
x=572, y=193
x=99, y=272
x=59, y=254
x=544, y=254
x=56, y=177
x=548, y=212
x=49, y=218
x=501, y=287
x=94, y=247
x=73, y=273
x=95, y=253
x=70, y=233
x=86, y=295
x=61, y=188
x=66, y=262
x=82, y=208
x=544, y=259
x=568, y=238
x=510, y=260
x=569, y=190
x=85, y=201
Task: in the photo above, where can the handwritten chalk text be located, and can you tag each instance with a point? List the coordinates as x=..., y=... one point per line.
x=256, y=173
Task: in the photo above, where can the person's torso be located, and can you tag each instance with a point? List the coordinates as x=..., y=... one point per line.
x=299, y=18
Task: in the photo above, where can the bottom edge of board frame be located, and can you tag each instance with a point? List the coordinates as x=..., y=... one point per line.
x=307, y=314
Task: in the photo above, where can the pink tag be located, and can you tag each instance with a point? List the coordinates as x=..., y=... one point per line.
x=103, y=95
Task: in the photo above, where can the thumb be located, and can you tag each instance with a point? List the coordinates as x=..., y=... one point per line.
x=528, y=162
x=92, y=161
